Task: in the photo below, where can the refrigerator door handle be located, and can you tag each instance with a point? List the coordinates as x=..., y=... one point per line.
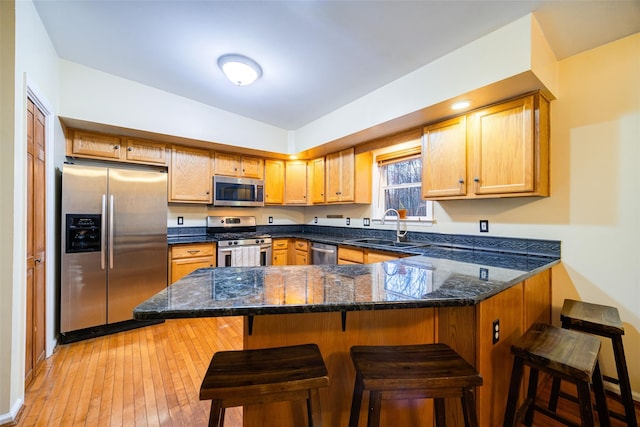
x=103, y=233
x=111, y=231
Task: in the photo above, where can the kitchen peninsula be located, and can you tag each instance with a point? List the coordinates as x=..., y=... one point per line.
x=452, y=296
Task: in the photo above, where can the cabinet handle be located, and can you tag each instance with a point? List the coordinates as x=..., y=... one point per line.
x=129, y=149
x=193, y=251
x=461, y=181
x=116, y=147
x=476, y=179
x=38, y=260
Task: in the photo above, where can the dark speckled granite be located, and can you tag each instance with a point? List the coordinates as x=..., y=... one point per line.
x=338, y=235
x=444, y=278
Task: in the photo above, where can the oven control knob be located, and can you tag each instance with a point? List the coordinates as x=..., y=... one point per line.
x=229, y=243
x=235, y=242
x=257, y=240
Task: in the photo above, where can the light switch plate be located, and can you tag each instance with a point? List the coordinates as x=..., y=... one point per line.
x=484, y=225
x=366, y=222
x=180, y=220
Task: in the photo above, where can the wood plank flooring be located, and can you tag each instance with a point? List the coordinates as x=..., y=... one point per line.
x=151, y=377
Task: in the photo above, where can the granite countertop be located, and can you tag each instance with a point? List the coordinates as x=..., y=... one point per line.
x=440, y=278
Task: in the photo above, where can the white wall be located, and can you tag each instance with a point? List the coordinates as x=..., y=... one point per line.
x=128, y=104
x=594, y=208
x=504, y=53
x=36, y=65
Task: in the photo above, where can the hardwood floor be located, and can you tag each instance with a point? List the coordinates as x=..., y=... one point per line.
x=151, y=377
x=148, y=376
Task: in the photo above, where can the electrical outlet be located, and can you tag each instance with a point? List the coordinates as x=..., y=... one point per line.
x=270, y=220
x=180, y=220
x=496, y=331
x=484, y=225
x=348, y=221
x=366, y=222
x=315, y=219
x=484, y=274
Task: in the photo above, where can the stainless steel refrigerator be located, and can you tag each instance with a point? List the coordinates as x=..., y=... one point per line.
x=114, y=243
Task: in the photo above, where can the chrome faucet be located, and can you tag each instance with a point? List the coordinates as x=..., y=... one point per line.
x=399, y=234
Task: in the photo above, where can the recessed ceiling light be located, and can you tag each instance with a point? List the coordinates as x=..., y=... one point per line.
x=239, y=69
x=460, y=105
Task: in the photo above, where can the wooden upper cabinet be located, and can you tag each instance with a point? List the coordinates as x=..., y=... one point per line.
x=316, y=175
x=295, y=185
x=503, y=148
x=235, y=165
x=274, y=182
x=190, y=175
x=94, y=145
x=348, y=177
x=340, y=169
x=507, y=152
x=444, y=158
x=146, y=152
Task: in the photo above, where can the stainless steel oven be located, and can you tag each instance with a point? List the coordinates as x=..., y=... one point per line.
x=245, y=252
x=239, y=243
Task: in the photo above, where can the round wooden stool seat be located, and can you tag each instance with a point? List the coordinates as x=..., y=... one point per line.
x=604, y=321
x=246, y=377
x=412, y=372
x=568, y=355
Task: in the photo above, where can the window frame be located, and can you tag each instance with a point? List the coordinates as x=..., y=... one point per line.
x=395, y=154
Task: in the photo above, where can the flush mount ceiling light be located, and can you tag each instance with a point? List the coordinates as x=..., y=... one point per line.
x=240, y=70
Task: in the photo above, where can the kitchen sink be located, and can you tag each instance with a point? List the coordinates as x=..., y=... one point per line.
x=386, y=242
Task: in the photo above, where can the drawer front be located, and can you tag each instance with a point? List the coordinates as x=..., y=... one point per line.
x=192, y=250
x=280, y=244
x=302, y=245
x=353, y=255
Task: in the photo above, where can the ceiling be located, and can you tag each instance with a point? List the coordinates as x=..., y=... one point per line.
x=316, y=55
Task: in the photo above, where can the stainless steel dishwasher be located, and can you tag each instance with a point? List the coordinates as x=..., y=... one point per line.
x=323, y=254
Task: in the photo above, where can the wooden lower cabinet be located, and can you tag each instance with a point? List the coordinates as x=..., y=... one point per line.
x=468, y=330
x=280, y=252
x=302, y=252
x=364, y=256
x=183, y=259
x=515, y=310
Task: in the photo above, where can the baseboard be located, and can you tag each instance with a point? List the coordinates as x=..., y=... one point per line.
x=11, y=418
x=102, y=330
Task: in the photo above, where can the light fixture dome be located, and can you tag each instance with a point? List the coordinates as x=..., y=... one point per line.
x=239, y=69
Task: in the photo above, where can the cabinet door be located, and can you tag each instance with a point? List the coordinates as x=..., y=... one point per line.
x=350, y=255
x=340, y=168
x=252, y=167
x=503, y=148
x=190, y=175
x=146, y=152
x=279, y=257
x=317, y=180
x=274, y=182
x=302, y=258
x=373, y=257
x=295, y=187
x=182, y=267
x=444, y=159
x=227, y=164
x=92, y=145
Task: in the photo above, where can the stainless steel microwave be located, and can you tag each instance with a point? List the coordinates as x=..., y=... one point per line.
x=230, y=191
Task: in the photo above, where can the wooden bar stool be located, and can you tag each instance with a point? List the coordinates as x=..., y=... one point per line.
x=603, y=321
x=412, y=372
x=568, y=355
x=246, y=377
